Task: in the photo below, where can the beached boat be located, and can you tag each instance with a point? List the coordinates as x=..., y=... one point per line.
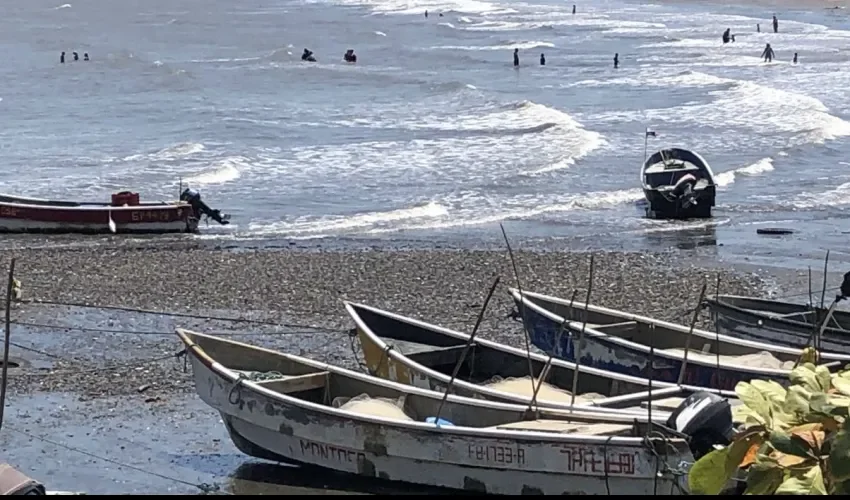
x=425, y=355
x=621, y=342
x=677, y=184
x=782, y=323
x=124, y=214
x=290, y=409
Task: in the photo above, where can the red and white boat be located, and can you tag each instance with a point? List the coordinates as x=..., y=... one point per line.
x=125, y=214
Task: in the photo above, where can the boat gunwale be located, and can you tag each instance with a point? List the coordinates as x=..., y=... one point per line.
x=93, y=206
x=718, y=302
x=578, y=326
x=232, y=376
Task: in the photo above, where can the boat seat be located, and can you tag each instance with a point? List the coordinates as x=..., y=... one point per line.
x=566, y=427
x=297, y=383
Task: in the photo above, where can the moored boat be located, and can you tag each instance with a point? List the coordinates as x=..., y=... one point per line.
x=290, y=409
x=678, y=184
x=425, y=355
x=124, y=214
x=782, y=323
x=623, y=342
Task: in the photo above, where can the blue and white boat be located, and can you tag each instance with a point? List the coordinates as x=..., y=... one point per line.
x=622, y=342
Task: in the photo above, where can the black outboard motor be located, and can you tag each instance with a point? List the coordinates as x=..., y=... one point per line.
x=684, y=190
x=706, y=418
x=193, y=198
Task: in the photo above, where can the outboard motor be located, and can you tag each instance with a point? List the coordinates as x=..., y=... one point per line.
x=706, y=418
x=193, y=198
x=684, y=190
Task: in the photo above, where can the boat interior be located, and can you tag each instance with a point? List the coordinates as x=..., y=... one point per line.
x=664, y=168
x=671, y=340
x=785, y=310
x=294, y=377
x=487, y=365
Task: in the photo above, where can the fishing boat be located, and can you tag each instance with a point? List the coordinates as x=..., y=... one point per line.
x=124, y=214
x=293, y=410
x=625, y=343
x=782, y=323
x=678, y=184
x=425, y=355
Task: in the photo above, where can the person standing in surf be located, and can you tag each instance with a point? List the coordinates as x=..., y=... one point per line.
x=516, y=58
x=616, y=60
x=768, y=54
x=543, y=59
x=775, y=24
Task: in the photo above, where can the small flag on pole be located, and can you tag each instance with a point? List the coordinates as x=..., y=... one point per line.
x=650, y=133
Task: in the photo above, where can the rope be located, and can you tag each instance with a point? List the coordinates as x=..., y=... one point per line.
x=102, y=369
x=153, y=332
x=172, y=314
x=204, y=487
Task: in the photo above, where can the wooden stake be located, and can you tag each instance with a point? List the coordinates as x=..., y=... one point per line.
x=521, y=307
x=823, y=290
x=544, y=373
x=578, y=349
x=691, y=333
x=466, y=349
x=9, y=286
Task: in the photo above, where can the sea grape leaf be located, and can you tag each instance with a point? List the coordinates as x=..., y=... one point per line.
x=824, y=377
x=811, y=435
x=842, y=385
x=805, y=375
x=809, y=482
x=839, y=455
x=710, y=474
x=782, y=442
x=763, y=478
x=754, y=399
x=771, y=389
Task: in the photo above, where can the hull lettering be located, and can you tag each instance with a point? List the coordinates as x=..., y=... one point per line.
x=495, y=454
x=332, y=453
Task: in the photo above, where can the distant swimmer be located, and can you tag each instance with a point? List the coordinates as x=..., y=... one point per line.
x=795, y=58
x=62, y=58
x=758, y=28
x=350, y=56
x=543, y=59
x=76, y=56
x=733, y=37
x=86, y=56
x=426, y=14
x=307, y=55
x=775, y=24
x=616, y=60
x=574, y=10
x=516, y=57
x=441, y=14
x=768, y=54
x=726, y=35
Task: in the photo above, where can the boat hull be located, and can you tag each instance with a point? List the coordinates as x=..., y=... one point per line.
x=659, y=207
x=598, y=352
x=143, y=219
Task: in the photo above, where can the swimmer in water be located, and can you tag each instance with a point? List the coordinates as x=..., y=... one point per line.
x=768, y=54
x=516, y=58
x=86, y=56
x=543, y=59
x=62, y=58
x=76, y=56
x=616, y=60
x=350, y=56
x=726, y=35
x=307, y=55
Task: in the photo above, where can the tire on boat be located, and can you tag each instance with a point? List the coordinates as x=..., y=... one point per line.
x=774, y=231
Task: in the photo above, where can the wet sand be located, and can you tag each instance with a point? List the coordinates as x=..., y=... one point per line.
x=107, y=381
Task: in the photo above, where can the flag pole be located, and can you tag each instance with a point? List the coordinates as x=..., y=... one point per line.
x=645, y=141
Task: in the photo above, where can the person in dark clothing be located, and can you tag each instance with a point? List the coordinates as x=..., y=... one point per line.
x=733, y=38
x=76, y=56
x=574, y=10
x=768, y=54
x=775, y=24
x=426, y=14
x=758, y=28
x=726, y=35
x=543, y=59
x=62, y=58
x=616, y=60
x=795, y=58
x=307, y=55
x=516, y=57
x=86, y=56
x=350, y=56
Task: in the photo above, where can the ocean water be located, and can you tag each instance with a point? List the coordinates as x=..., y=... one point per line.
x=433, y=133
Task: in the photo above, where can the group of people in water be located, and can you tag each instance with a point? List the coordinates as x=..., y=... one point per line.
x=768, y=55
x=349, y=56
x=76, y=57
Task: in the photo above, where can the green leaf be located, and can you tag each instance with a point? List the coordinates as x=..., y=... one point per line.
x=808, y=482
x=824, y=377
x=754, y=399
x=842, y=385
x=710, y=474
x=763, y=478
x=839, y=455
x=771, y=389
x=820, y=403
x=805, y=375
x=783, y=443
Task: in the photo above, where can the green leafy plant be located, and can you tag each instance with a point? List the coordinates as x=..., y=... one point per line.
x=793, y=441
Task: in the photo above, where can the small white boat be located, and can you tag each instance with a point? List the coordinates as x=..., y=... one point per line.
x=677, y=184
x=290, y=409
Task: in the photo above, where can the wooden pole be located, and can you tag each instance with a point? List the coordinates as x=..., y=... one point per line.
x=823, y=290
x=578, y=349
x=521, y=307
x=9, y=286
x=466, y=349
x=691, y=333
